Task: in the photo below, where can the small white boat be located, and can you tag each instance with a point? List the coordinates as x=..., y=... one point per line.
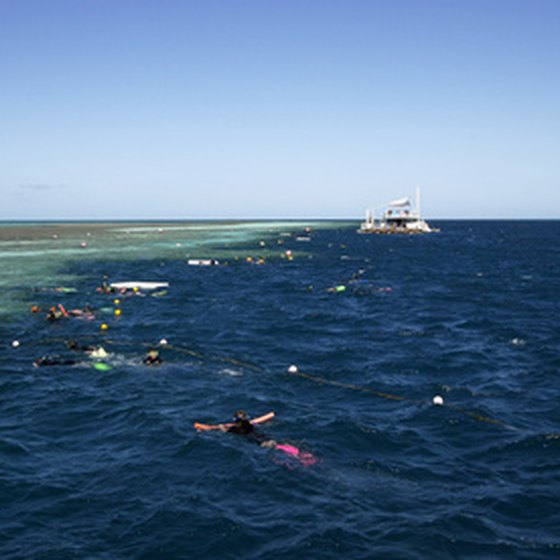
x=203, y=262
x=140, y=285
x=399, y=217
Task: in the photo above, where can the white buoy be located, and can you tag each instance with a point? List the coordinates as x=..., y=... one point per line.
x=438, y=400
x=163, y=342
x=15, y=344
x=292, y=369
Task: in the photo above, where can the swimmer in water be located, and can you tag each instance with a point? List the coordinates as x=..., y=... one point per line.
x=74, y=346
x=53, y=361
x=243, y=427
x=86, y=312
x=105, y=287
x=152, y=359
x=54, y=314
x=92, y=351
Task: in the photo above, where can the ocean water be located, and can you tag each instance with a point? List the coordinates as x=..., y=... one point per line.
x=106, y=464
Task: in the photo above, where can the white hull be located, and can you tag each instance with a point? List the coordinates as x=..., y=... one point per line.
x=140, y=285
x=398, y=218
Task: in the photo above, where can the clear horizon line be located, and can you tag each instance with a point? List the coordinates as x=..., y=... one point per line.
x=256, y=219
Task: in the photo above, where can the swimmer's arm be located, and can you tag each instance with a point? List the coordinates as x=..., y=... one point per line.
x=263, y=418
x=225, y=427
x=206, y=427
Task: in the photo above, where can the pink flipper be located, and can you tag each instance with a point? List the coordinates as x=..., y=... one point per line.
x=289, y=449
x=306, y=459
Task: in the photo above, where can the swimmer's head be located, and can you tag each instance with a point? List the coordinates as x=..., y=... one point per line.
x=240, y=415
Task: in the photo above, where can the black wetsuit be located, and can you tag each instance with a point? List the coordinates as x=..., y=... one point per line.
x=72, y=345
x=152, y=360
x=53, y=361
x=245, y=428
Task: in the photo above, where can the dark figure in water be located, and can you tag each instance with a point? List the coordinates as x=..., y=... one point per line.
x=153, y=358
x=54, y=314
x=53, y=361
x=105, y=287
x=74, y=346
x=86, y=312
x=243, y=427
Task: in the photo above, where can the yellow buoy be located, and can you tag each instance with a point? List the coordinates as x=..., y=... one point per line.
x=118, y=312
x=104, y=326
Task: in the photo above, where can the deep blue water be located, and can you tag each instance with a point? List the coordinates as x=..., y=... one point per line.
x=107, y=464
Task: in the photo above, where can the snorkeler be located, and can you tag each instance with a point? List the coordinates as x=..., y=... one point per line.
x=92, y=351
x=73, y=345
x=242, y=425
x=86, y=312
x=152, y=359
x=53, y=361
x=105, y=287
x=54, y=314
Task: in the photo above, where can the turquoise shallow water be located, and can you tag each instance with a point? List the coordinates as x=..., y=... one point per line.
x=106, y=464
x=41, y=254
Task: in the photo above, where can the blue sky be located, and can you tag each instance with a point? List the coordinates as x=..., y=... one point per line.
x=278, y=108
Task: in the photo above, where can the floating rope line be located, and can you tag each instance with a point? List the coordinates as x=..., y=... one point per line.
x=379, y=394
x=207, y=357
x=479, y=417
x=293, y=370
x=321, y=380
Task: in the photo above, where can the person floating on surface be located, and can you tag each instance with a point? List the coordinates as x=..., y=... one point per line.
x=53, y=361
x=242, y=425
x=54, y=314
x=152, y=359
x=92, y=351
x=86, y=312
x=105, y=288
x=74, y=346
